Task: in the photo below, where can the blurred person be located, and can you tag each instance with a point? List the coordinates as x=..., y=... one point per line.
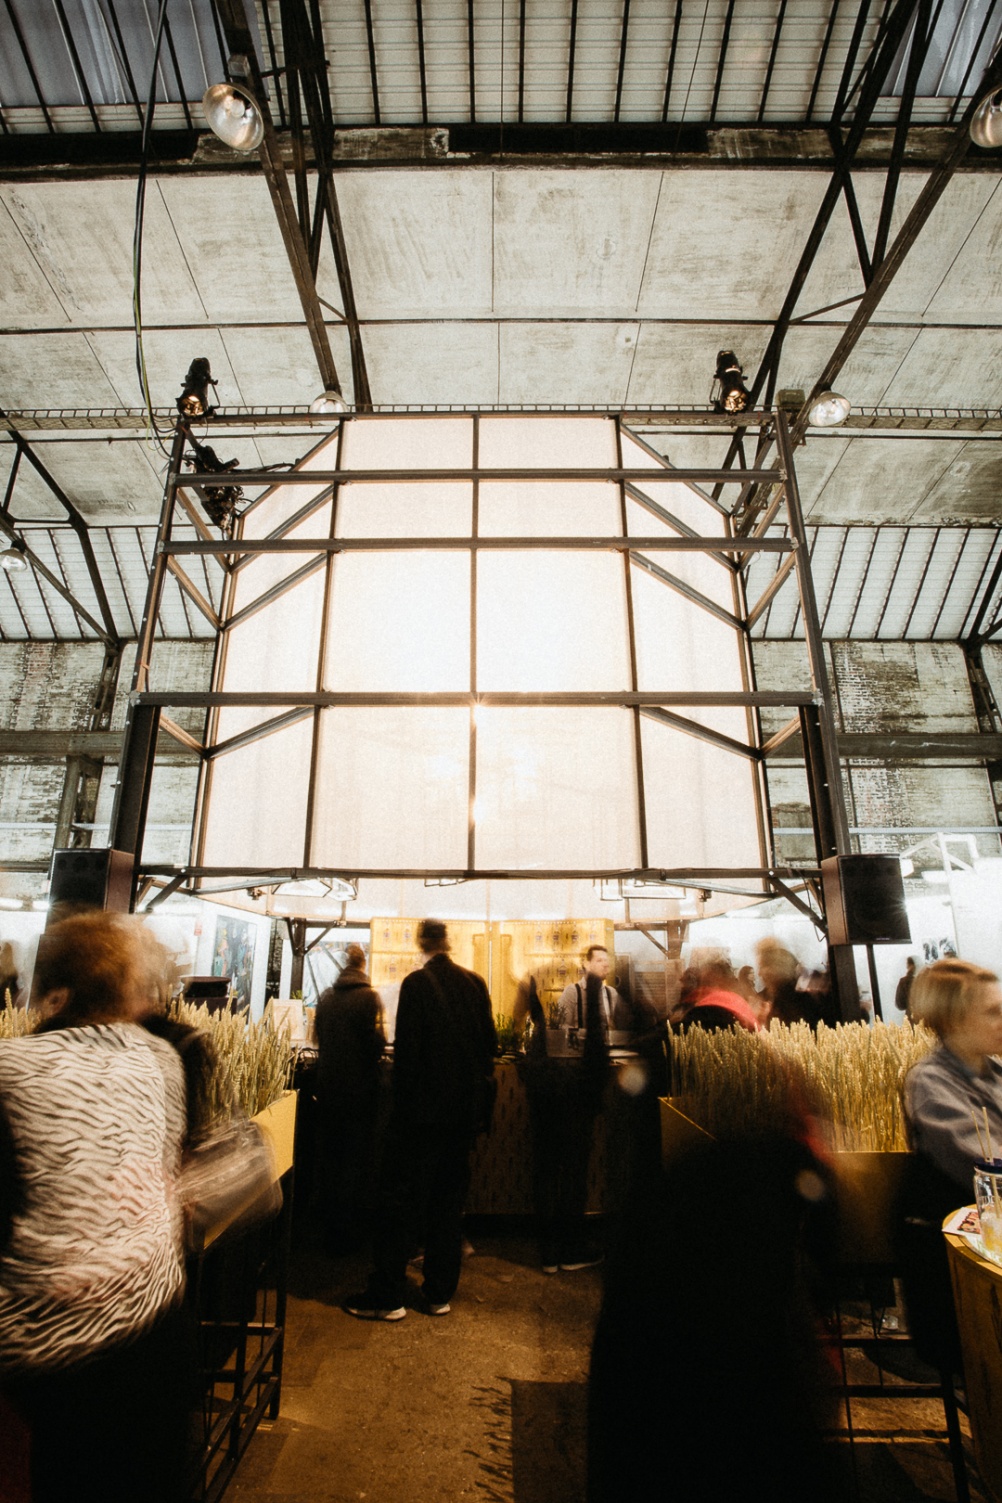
x=96, y=1350
x=704, y=1384
x=9, y=980
x=350, y=1042
x=716, y=998
x=779, y=971
x=902, y=992
x=443, y=1066
x=951, y=1093
x=565, y=1081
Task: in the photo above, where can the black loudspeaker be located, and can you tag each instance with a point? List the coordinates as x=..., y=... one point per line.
x=91, y=877
x=865, y=901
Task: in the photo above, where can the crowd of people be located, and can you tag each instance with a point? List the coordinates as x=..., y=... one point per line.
x=101, y=1106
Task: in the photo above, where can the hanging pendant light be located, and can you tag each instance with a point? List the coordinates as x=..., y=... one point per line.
x=828, y=410
x=329, y=401
x=234, y=115
x=12, y=557
x=986, y=125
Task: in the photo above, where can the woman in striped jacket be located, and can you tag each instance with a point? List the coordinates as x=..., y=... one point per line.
x=95, y=1350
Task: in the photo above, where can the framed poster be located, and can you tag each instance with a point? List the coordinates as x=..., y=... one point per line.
x=233, y=955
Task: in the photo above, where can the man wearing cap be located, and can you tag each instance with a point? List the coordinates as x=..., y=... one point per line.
x=443, y=1064
x=350, y=1045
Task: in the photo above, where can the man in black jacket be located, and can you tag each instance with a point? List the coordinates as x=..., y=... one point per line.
x=443, y=1064
x=350, y=1041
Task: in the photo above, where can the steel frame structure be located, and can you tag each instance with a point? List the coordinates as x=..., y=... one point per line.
x=148, y=710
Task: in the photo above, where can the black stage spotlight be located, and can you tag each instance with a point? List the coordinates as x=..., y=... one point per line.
x=732, y=393
x=220, y=502
x=194, y=398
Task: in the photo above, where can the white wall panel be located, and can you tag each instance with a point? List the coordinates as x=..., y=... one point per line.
x=256, y=809
x=700, y=802
x=556, y=789
x=399, y=622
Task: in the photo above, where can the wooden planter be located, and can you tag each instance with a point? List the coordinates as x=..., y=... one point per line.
x=868, y=1185
x=278, y=1123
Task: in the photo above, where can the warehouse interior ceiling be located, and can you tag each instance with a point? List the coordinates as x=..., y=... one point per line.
x=511, y=207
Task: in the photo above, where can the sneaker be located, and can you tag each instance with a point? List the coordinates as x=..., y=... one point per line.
x=589, y=1261
x=438, y=1309
x=363, y=1308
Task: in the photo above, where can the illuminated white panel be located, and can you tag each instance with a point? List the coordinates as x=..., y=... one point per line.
x=554, y=508
x=551, y=621
x=556, y=789
x=399, y=622
x=440, y=510
x=547, y=443
x=372, y=443
x=703, y=571
x=701, y=802
x=256, y=806
x=265, y=570
x=274, y=651
x=682, y=500
x=274, y=509
x=682, y=647
x=392, y=789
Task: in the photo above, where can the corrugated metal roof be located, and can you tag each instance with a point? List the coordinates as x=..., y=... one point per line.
x=78, y=66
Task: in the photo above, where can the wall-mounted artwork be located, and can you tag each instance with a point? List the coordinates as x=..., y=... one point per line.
x=233, y=955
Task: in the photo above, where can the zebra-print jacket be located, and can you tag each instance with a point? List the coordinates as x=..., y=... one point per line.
x=96, y=1119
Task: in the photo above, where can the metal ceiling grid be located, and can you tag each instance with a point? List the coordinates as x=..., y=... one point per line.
x=887, y=584
x=73, y=66
x=31, y=610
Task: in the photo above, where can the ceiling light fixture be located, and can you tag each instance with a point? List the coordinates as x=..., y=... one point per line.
x=828, y=410
x=13, y=556
x=194, y=398
x=732, y=393
x=234, y=115
x=986, y=124
x=220, y=502
x=329, y=401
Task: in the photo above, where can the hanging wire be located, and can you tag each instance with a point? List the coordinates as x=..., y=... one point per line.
x=137, y=237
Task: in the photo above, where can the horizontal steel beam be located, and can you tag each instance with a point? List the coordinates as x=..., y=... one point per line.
x=660, y=544
x=182, y=699
x=906, y=746
x=688, y=876
x=434, y=476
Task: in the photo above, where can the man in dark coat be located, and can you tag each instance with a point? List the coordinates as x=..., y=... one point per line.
x=443, y=1064
x=350, y=1042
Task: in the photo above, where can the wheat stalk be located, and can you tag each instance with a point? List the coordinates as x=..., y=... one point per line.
x=253, y=1061
x=849, y=1076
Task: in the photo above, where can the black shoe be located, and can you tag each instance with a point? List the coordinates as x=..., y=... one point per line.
x=363, y=1307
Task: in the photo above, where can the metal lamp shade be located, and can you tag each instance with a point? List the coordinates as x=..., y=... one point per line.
x=986, y=127
x=828, y=410
x=234, y=115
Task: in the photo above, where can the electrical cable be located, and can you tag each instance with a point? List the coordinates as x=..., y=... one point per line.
x=137, y=236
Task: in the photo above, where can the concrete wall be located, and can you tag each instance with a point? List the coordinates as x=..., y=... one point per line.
x=883, y=687
x=51, y=686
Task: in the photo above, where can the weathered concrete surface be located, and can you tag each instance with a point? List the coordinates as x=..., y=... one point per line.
x=487, y=1403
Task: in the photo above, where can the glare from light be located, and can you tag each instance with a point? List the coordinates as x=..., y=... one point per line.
x=10, y=904
x=935, y=878
x=41, y=905
x=907, y=866
x=12, y=558
x=986, y=125
x=829, y=410
x=234, y=115
x=329, y=401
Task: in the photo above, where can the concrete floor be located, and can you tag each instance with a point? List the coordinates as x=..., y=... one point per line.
x=488, y=1403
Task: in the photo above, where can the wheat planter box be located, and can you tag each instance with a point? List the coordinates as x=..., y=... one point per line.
x=868, y=1186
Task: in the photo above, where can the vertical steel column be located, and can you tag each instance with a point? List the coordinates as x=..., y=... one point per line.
x=142, y=723
x=824, y=773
